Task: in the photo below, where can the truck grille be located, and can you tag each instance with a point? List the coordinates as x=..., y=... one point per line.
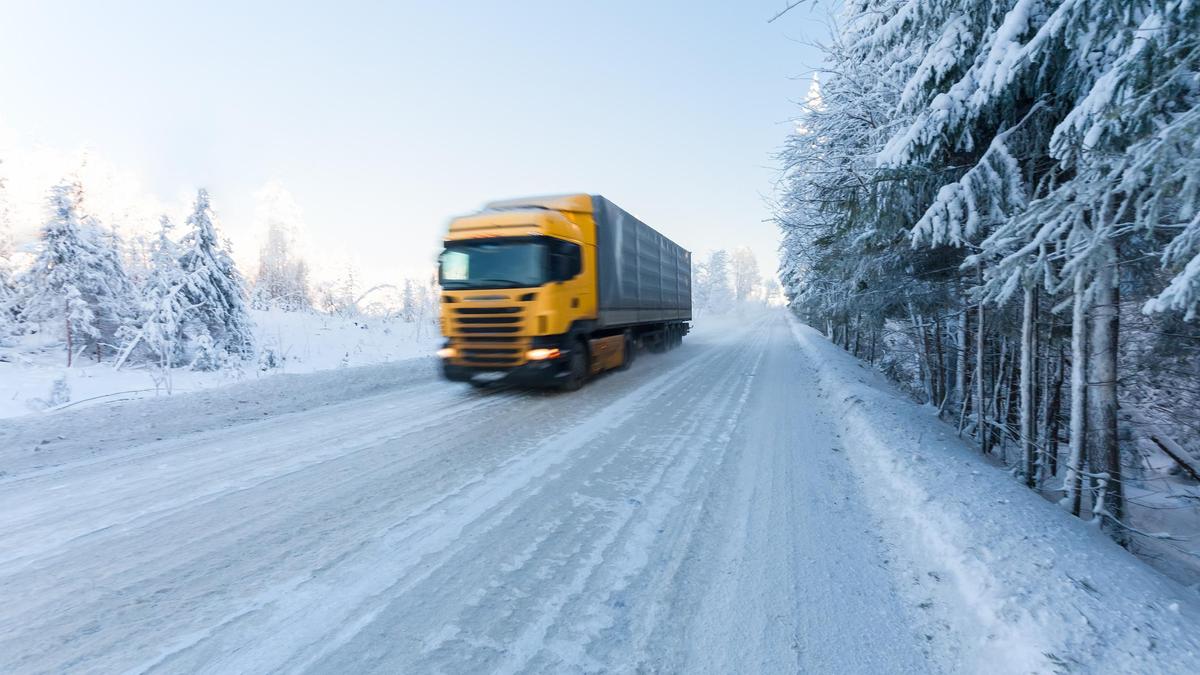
x=488, y=336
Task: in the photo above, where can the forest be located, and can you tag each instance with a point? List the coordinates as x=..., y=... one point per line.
x=83, y=292
x=998, y=205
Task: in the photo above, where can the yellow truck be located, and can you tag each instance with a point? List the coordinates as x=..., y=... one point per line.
x=548, y=291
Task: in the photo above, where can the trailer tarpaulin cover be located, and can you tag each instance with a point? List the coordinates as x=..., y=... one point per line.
x=642, y=275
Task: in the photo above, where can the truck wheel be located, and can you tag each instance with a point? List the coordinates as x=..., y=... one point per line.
x=629, y=353
x=578, y=369
x=659, y=343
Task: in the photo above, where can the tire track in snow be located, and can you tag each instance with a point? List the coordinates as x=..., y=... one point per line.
x=208, y=480
x=84, y=587
x=381, y=568
x=515, y=599
x=623, y=552
x=171, y=578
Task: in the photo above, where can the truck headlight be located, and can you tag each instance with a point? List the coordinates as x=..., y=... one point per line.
x=542, y=354
x=447, y=352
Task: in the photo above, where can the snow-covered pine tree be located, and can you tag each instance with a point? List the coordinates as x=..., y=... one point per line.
x=1114, y=174
x=992, y=149
x=214, y=288
x=844, y=218
x=77, y=278
x=116, y=305
x=8, y=308
x=164, y=309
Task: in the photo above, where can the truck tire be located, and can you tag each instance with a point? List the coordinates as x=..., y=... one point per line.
x=630, y=346
x=577, y=369
x=659, y=341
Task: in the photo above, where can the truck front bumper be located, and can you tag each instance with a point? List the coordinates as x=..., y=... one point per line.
x=548, y=373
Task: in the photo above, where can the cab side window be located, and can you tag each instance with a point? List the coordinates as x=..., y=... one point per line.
x=566, y=260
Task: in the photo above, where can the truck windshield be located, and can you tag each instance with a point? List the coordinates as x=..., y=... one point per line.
x=494, y=264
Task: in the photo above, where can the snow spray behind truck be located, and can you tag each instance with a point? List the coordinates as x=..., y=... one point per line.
x=552, y=290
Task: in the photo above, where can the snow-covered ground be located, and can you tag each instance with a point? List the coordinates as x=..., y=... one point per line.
x=755, y=501
x=1011, y=578
x=302, y=342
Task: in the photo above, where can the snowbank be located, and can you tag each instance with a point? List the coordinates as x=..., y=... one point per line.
x=32, y=443
x=1020, y=584
x=287, y=342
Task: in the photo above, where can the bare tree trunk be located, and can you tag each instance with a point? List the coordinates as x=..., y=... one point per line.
x=980, y=385
x=931, y=386
x=999, y=412
x=70, y=346
x=941, y=363
x=1102, y=386
x=857, y=332
x=962, y=411
x=1011, y=417
x=1073, y=485
x=1027, y=420
x=873, y=334
x=918, y=323
x=1053, y=410
x=1045, y=383
x=960, y=361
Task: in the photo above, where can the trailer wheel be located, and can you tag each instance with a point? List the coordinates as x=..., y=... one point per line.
x=578, y=368
x=630, y=346
x=676, y=336
x=659, y=341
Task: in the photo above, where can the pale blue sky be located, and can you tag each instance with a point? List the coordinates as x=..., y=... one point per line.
x=386, y=118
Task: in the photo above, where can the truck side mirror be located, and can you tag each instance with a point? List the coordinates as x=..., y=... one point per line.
x=560, y=267
x=566, y=262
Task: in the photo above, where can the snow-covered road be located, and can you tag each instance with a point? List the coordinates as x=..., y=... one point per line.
x=701, y=512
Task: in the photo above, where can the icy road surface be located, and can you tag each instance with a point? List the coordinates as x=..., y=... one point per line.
x=723, y=508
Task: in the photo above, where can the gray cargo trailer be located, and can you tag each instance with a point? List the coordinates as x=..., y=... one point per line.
x=642, y=277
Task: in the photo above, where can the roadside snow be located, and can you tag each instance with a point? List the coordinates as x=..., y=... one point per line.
x=41, y=441
x=296, y=342
x=1024, y=586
